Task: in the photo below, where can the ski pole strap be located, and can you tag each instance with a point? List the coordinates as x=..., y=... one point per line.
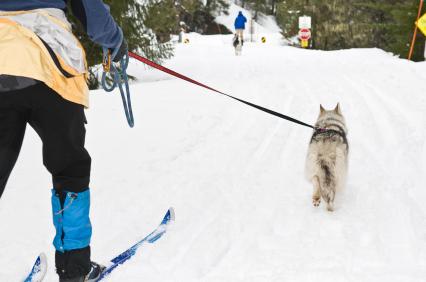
x=119, y=78
x=183, y=77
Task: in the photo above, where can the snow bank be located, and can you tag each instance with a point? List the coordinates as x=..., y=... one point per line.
x=265, y=26
x=235, y=175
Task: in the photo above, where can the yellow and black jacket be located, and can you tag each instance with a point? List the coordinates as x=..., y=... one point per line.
x=38, y=43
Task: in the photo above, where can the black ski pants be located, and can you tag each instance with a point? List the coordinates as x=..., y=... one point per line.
x=61, y=127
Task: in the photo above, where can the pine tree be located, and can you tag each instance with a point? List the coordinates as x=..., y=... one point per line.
x=130, y=15
x=267, y=7
x=338, y=24
x=162, y=18
x=216, y=7
x=199, y=15
x=288, y=13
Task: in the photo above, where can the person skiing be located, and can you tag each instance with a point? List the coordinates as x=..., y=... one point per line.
x=240, y=25
x=43, y=73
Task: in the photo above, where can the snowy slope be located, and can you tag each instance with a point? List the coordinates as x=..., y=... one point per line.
x=265, y=26
x=235, y=175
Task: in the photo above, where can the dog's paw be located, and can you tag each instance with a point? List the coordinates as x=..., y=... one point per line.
x=316, y=201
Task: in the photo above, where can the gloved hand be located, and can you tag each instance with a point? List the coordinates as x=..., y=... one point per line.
x=121, y=52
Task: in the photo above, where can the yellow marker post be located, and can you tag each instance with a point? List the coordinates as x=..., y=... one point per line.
x=305, y=43
x=413, y=41
x=421, y=24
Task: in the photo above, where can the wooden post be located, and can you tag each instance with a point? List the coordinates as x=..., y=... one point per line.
x=251, y=30
x=415, y=30
x=425, y=51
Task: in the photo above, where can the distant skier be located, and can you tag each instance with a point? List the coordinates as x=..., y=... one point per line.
x=43, y=74
x=240, y=25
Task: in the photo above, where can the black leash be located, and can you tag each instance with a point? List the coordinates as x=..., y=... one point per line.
x=274, y=113
x=181, y=76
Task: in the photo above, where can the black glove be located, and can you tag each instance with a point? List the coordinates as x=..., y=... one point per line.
x=122, y=51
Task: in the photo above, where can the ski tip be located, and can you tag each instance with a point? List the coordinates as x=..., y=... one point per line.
x=43, y=257
x=39, y=269
x=169, y=217
x=172, y=214
x=43, y=264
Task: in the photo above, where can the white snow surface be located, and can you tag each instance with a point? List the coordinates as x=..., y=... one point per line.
x=235, y=175
x=265, y=26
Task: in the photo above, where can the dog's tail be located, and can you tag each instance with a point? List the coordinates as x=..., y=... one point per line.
x=327, y=181
x=236, y=42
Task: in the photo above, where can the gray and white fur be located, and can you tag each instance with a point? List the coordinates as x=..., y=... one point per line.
x=237, y=42
x=327, y=159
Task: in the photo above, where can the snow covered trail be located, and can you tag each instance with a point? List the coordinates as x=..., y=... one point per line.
x=235, y=175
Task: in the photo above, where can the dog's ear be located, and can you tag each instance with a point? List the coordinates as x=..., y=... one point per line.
x=322, y=110
x=337, y=109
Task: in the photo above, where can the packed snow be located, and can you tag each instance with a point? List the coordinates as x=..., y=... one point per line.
x=235, y=175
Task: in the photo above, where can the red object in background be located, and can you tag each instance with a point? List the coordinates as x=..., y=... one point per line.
x=305, y=34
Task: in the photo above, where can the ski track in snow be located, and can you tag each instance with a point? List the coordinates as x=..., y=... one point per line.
x=236, y=176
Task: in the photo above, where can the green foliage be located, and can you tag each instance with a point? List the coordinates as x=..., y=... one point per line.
x=161, y=17
x=216, y=7
x=258, y=6
x=130, y=16
x=338, y=24
x=199, y=17
x=147, y=27
x=267, y=7
x=288, y=13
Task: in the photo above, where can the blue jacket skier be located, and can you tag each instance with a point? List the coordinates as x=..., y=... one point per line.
x=240, y=25
x=240, y=21
x=43, y=74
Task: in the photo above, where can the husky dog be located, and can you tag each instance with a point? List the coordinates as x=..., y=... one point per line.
x=326, y=163
x=238, y=42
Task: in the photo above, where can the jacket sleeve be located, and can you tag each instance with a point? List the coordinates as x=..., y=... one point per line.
x=98, y=22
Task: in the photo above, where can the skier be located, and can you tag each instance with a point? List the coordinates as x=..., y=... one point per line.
x=43, y=73
x=240, y=25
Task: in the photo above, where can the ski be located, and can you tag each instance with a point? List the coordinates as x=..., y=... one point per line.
x=151, y=238
x=39, y=269
x=40, y=266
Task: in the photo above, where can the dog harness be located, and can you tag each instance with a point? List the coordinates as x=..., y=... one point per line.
x=327, y=132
